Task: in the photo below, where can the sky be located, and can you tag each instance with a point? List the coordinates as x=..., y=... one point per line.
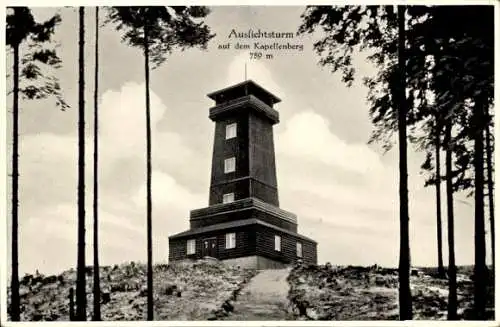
x=344, y=192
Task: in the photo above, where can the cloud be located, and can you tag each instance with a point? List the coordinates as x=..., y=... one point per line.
x=48, y=238
x=123, y=140
x=48, y=187
x=48, y=170
x=123, y=120
x=49, y=161
x=171, y=203
x=347, y=199
x=167, y=193
x=343, y=195
x=307, y=135
x=122, y=227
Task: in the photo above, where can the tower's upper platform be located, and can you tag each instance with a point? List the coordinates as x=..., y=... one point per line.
x=242, y=89
x=234, y=99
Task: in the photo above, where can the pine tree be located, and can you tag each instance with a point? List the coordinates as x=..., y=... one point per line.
x=22, y=29
x=81, y=293
x=373, y=28
x=452, y=269
x=97, y=283
x=457, y=56
x=157, y=31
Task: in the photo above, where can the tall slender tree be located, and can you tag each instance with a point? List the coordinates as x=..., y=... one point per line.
x=474, y=78
x=148, y=173
x=465, y=57
x=81, y=293
x=382, y=30
x=452, y=269
x=21, y=28
x=480, y=275
x=15, y=313
x=97, y=283
x=491, y=202
x=433, y=146
x=446, y=116
x=466, y=61
x=431, y=143
x=441, y=271
x=405, y=303
x=157, y=31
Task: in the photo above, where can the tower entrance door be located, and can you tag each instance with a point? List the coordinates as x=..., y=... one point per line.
x=209, y=247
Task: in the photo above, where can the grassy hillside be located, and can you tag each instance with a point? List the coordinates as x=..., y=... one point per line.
x=182, y=291
x=371, y=293
x=208, y=290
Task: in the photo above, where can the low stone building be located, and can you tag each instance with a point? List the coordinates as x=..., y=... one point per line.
x=243, y=223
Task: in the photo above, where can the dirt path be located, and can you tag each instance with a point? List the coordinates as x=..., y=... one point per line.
x=263, y=298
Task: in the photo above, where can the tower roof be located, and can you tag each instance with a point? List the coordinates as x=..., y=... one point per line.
x=244, y=88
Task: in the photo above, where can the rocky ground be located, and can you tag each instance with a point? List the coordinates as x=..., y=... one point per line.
x=209, y=290
x=182, y=291
x=371, y=293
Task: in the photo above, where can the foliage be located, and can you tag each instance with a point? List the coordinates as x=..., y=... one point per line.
x=168, y=28
x=40, y=56
x=440, y=83
x=157, y=31
x=448, y=81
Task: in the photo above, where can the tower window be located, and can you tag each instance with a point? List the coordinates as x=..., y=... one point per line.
x=277, y=243
x=230, y=240
x=299, y=249
x=230, y=131
x=191, y=246
x=229, y=165
x=227, y=198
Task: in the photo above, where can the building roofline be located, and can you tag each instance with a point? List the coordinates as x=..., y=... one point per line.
x=251, y=203
x=236, y=223
x=214, y=94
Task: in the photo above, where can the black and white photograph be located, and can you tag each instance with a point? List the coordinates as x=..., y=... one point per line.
x=249, y=162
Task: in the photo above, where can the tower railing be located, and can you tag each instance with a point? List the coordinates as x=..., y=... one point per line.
x=251, y=100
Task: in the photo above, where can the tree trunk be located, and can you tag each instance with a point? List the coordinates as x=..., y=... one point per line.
x=438, y=202
x=15, y=314
x=150, y=314
x=452, y=269
x=81, y=296
x=480, y=274
x=71, y=298
x=405, y=302
x=491, y=206
x=97, y=285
